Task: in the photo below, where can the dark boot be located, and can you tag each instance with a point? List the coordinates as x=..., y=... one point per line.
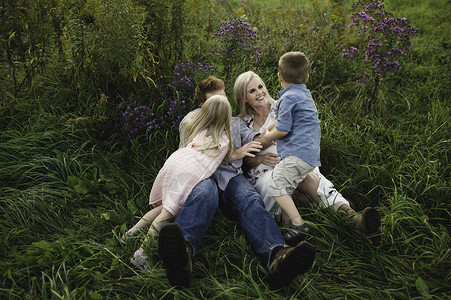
x=289, y=262
x=175, y=253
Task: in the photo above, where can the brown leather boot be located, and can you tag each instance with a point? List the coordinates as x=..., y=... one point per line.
x=290, y=262
x=369, y=221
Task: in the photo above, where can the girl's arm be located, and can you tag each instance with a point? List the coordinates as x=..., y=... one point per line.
x=245, y=151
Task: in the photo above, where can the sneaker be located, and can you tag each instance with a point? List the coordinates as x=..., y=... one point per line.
x=295, y=234
x=139, y=261
x=175, y=253
x=290, y=262
x=124, y=238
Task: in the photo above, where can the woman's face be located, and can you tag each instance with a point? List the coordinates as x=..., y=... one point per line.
x=256, y=93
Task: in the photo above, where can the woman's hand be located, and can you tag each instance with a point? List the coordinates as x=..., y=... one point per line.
x=269, y=159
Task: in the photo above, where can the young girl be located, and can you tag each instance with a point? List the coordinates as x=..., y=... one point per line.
x=207, y=141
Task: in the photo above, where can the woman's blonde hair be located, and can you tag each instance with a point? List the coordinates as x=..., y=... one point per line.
x=240, y=91
x=215, y=116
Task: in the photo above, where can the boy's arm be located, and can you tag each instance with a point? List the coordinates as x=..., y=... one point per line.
x=269, y=138
x=273, y=125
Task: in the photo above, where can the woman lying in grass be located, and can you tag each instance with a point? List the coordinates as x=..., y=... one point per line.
x=257, y=110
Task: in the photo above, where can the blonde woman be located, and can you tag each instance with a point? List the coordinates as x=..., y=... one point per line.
x=257, y=109
x=208, y=140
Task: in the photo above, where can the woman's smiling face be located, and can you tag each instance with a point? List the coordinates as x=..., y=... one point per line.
x=256, y=93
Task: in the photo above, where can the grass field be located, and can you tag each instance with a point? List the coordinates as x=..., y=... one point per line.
x=69, y=188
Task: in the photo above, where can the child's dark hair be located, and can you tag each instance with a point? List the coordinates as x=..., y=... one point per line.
x=294, y=67
x=210, y=84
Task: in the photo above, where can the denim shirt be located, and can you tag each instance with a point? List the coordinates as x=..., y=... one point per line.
x=297, y=114
x=242, y=135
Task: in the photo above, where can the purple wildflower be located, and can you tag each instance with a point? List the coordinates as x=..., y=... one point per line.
x=387, y=38
x=239, y=41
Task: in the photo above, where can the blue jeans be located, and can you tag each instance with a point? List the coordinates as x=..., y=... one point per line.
x=245, y=205
x=196, y=214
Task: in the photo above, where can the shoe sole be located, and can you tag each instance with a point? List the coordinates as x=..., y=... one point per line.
x=297, y=262
x=372, y=221
x=172, y=251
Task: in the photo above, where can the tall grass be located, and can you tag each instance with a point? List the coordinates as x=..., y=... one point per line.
x=69, y=189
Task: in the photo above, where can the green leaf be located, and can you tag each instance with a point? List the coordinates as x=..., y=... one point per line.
x=95, y=295
x=422, y=287
x=72, y=180
x=105, y=216
x=81, y=189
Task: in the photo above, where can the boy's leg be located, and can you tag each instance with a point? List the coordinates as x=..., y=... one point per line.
x=286, y=177
x=307, y=190
x=297, y=227
x=287, y=205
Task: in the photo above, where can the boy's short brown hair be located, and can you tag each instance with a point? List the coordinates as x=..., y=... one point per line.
x=208, y=85
x=294, y=67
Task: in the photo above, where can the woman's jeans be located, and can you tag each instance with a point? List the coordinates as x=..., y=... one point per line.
x=245, y=205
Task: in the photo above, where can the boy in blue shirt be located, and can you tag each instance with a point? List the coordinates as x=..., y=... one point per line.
x=298, y=134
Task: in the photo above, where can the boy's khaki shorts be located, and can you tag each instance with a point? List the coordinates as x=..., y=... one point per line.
x=286, y=176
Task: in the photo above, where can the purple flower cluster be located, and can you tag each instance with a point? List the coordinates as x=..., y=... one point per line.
x=187, y=74
x=137, y=118
x=239, y=41
x=174, y=114
x=386, y=38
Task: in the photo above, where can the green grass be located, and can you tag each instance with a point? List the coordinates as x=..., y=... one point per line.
x=68, y=191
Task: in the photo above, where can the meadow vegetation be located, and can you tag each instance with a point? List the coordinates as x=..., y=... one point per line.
x=91, y=95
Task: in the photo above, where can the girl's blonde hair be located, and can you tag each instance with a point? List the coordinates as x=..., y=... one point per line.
x=215, y=116
x=240, y=91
